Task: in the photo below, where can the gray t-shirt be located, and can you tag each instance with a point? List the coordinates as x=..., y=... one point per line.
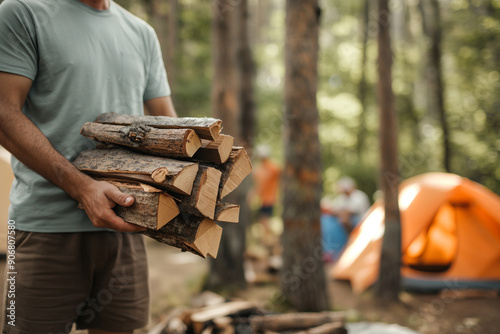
x=83, y=62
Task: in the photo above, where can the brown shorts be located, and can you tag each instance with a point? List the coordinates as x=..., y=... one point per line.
x=94, y=279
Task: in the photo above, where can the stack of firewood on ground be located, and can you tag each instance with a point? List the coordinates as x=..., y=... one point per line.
x=177, y=169
x=212, y=314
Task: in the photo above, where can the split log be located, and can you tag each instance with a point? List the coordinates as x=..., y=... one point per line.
x=175, y=143
x=226, y=212
x=329, y=328
x=217, y=151
x=152, y=208
x=293, y=321
x=119, y=164
x=207, y=239
x=202, y=317
x=197, y=235
x=234, y=170
x=206, y=128
x=203, y=198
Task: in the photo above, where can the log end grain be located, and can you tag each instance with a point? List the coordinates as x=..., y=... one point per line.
x=228, y=213
x=185, y=179
x=207, y=195
x=241, y=168
x=193, y=143
x=160, y=174
x=167, y=210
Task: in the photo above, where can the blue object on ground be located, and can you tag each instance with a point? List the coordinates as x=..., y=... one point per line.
x=333, y=236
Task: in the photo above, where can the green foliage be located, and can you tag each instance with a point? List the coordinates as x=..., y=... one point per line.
x=470, y=60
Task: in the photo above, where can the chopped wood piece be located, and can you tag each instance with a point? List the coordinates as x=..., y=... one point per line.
x=293, y=321
x=176, y=143
x=203, y=196
x=234, y=170
x=197, y=235
x=330, y=328
x=215, y=151
x=207, y=239
x=152, y=208
x=216, y=235
x=120, y=164
x=226, y=212
x=202, y=317
x=206, y=128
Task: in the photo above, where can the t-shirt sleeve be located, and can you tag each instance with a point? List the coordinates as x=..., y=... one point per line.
x=18, y=48
x=157, y=82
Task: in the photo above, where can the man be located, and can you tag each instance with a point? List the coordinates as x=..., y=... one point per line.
x=62, y=63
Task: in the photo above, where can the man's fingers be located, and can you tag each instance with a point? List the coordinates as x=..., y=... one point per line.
x=118, y=224
x=118, y=197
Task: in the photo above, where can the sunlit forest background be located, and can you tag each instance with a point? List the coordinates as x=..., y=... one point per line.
x=470, y=48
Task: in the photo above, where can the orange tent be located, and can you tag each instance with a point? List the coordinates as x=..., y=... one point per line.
x=450, y=237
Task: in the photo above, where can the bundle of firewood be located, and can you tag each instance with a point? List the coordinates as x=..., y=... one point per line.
x=177, y=169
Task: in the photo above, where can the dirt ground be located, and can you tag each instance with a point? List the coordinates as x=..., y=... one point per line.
x=176, y=277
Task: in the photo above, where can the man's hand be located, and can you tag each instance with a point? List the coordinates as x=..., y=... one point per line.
x=98, y=199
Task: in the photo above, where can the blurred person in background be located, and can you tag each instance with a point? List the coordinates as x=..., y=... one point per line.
x=340, y=215
x=266, y=177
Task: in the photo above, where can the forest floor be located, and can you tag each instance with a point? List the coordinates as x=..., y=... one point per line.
x=177, y=277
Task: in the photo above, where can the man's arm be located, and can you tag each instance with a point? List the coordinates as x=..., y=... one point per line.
x=27, y=143
x=160, y=106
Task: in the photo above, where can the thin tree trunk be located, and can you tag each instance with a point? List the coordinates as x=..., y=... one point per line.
x=303, y=276
x=227, y=271
x=362, y=87
x=388, y=283
x=431, y=20
x=171, y=41
x=246, y=70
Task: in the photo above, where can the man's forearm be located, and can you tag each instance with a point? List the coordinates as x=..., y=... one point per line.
x=28, y=144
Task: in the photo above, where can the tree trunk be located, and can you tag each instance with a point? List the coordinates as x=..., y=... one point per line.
x=388, y=283
x=303, y=276
x=431, y=21
x=171, y=41
x=362, y=89
x=246, y=71
x=227, y=270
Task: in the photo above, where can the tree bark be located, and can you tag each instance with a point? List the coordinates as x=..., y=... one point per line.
x=431, y=21
x=227, y=270
x=152, y=208
x=120, y=164
x=174, y=143
x=187, y=232
x=172, y=41
x=388, y=283
x=362, y=86
x=206, y=128
x=246, y=72
x=303, y=276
